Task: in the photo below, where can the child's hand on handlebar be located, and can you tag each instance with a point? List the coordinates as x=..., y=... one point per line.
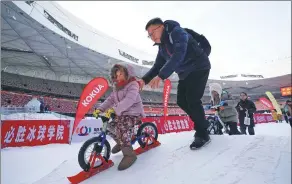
x=215, y=107
x=96, y=113
x=110, y=113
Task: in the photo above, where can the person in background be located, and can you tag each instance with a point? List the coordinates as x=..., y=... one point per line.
x=229, y=116
x=289, y=111
x=226, y=112
x=274, y=115
x=280, y=117
x=286, y=111
x=242, y=107
x=42, y=106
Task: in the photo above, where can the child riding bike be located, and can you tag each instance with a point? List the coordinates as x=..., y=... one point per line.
x=228, y=115
x=126, y=104
x=225, y=111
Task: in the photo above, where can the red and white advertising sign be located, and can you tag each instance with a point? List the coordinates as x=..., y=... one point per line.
x=184, y=123
x=93, y=91
x=177, y=124
x=86, y=129
x=267, y=103
x=171, y=124
x=263, y=118
x=17, y=133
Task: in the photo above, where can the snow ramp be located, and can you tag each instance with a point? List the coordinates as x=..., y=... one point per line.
x=226, y=160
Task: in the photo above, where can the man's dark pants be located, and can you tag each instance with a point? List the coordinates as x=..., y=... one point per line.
x=189, y=94
x=250, y=127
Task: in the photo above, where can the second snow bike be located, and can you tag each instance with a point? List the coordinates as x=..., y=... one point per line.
x=216, y=124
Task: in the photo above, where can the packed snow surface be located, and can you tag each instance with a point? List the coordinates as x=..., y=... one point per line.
x=261, y=159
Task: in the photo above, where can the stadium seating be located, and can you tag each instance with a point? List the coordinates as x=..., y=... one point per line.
x=14, y=99
x=63, y=96
x=64, y=89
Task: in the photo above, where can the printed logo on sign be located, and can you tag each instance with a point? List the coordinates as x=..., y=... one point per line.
x=269, y=118
x=91, y=95
x=182, y=124
x=31, y=134
x=186, y=124
x=9, y=135
x=166, y=96
x=83, y=131
x=96, y=130
x=60, y=132
x=128, y=56
x=260, y=119
x=266, y=102
x=174, y=125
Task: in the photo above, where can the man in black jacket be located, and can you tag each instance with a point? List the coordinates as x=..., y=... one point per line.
x=180, y=53
x=243, y=106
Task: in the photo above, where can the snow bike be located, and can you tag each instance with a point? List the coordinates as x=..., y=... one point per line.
x=145, y=134
x=216, y=124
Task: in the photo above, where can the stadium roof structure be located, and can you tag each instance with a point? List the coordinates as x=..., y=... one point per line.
x=255, y=87
x=29, y=47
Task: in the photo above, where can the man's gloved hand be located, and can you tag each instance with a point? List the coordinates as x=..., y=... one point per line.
x=110, y=113
x=96, y=113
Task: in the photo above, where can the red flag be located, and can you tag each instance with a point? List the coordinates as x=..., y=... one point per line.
x=266, y=103
x=166, y=94
x=95, y=89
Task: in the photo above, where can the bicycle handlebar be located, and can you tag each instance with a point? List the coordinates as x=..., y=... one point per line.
x=215, y=106
x=103, y=118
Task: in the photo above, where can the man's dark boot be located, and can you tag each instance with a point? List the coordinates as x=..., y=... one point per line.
x=200, y=140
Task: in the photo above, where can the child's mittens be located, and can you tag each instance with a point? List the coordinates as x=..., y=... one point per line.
x=96, y=113
x=110, y=113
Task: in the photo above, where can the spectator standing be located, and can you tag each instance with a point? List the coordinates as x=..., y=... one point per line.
x=246, y=106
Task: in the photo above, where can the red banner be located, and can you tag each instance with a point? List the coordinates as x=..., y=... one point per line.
x=263, y=118
x=171, y=124
x=177, y=124
x=95, y=89
x=267, y=103
x=17, y=133
x=184, y=123
x=166, y=94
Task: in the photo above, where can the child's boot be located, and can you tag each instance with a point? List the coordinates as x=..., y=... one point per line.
x=117, y=147
x=128, y=159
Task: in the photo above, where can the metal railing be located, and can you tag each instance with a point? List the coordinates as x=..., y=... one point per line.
x=11, y=110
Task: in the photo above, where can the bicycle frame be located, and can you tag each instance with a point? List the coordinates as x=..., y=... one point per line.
x=137, y=138
x=217, y=118
x=102, y=134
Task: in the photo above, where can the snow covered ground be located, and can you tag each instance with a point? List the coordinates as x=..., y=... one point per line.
x=261, y=159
